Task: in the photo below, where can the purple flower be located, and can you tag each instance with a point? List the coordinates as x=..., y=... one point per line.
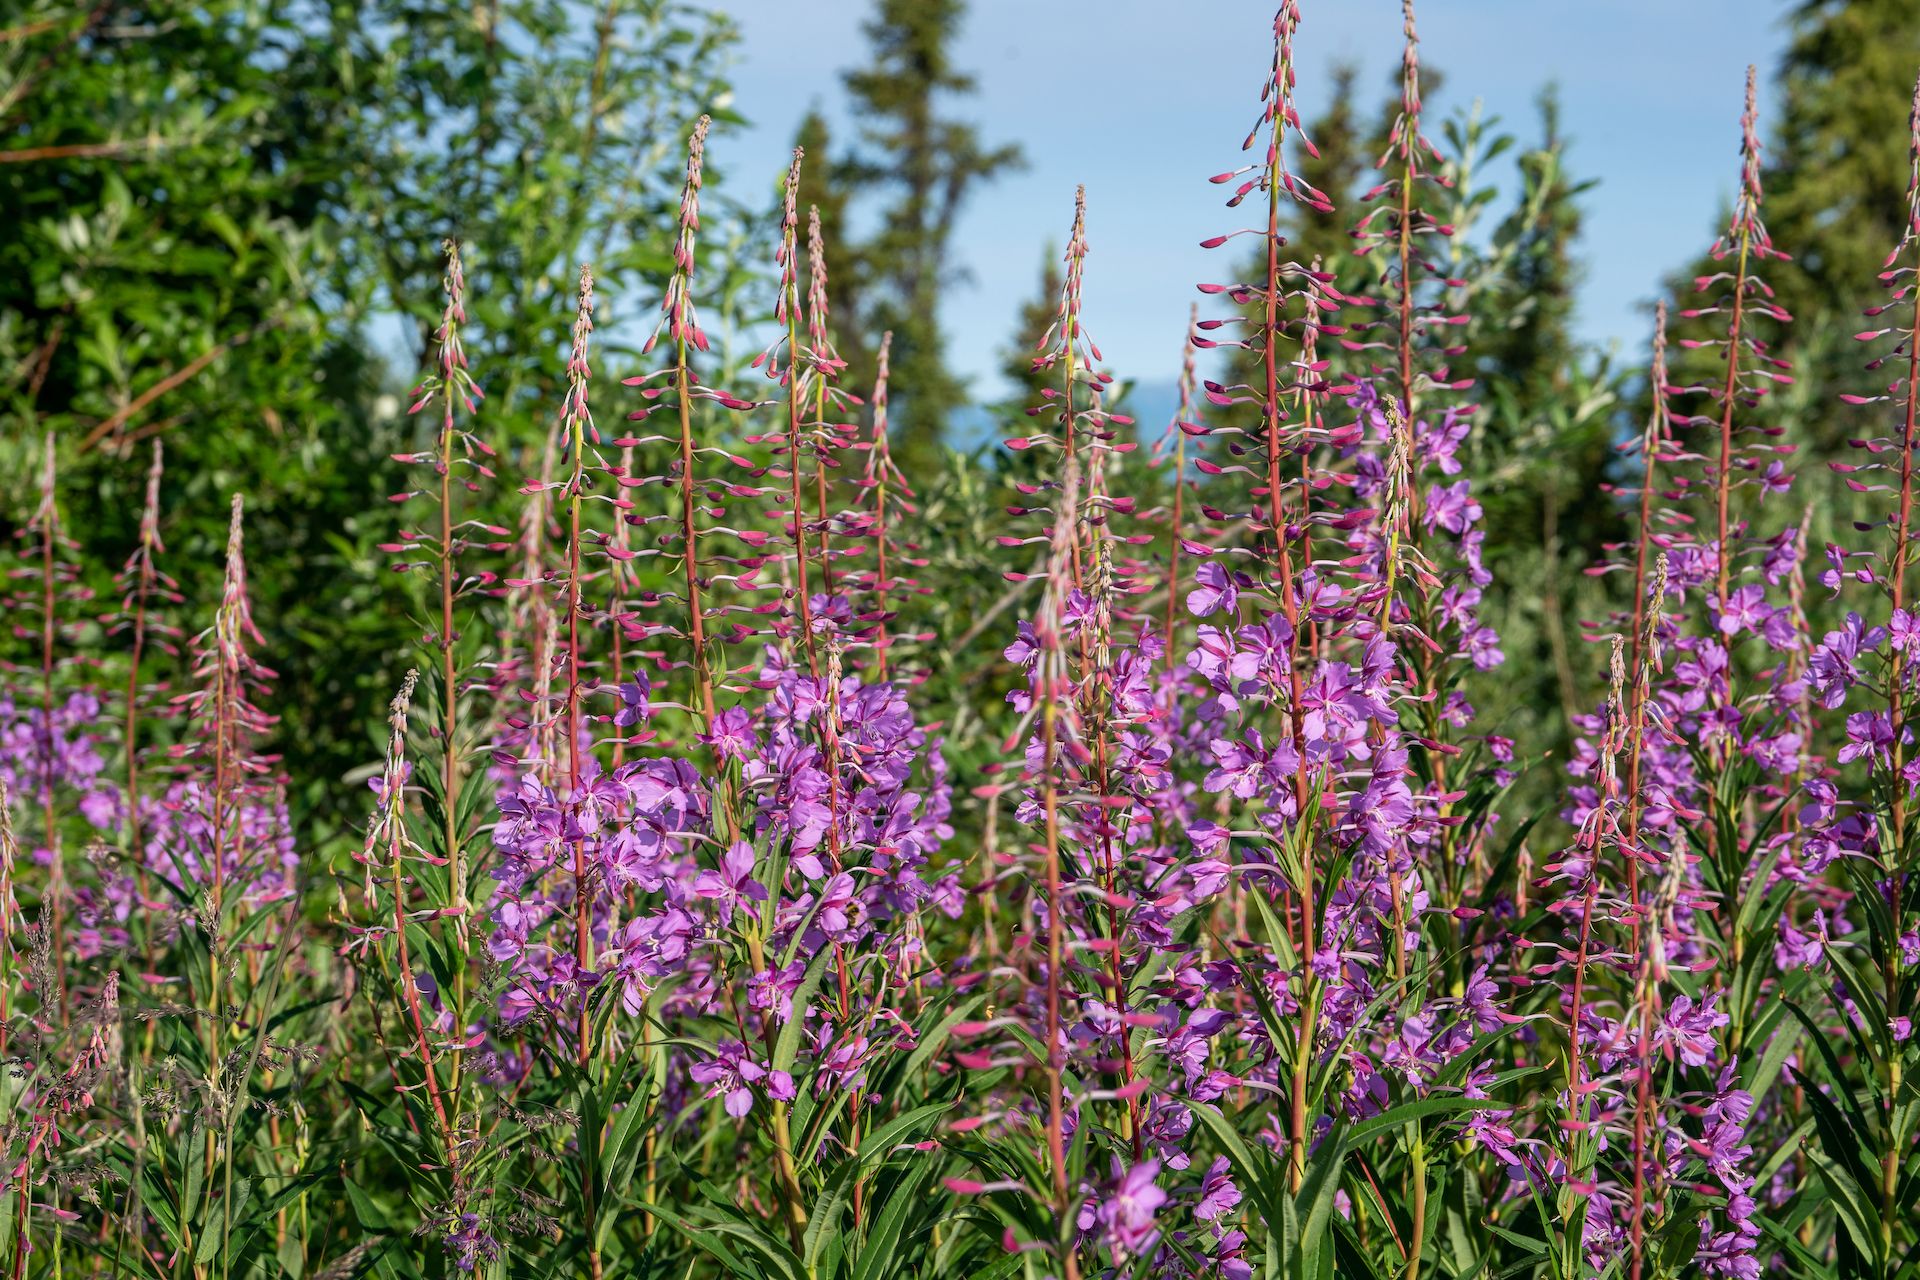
x=1269, y=646
x=773, y=990
x=1831, y=671
x=1725, y=1253
x=1901, y=630
x=1127, y=1212
x=1218, y=1195
x=732, y=883
x=1869, y=737
x=634, y=709
x=732, y=736
x=1437, y=446
x=1452, y=507
x=1026, y=645
x=1688, y=1029
x=1249, y=767
x=1078, y=612
x=831, y=613
x=732, y=1074
x=1494, y=1131
x=1216, y=590
x=1227, y=1256
x=1797, y=950
x=1482, y=1001
x=1483, y=647
x=1746, y=610
x=469, y=1241
x=1783, y=556
x=1166, y=1128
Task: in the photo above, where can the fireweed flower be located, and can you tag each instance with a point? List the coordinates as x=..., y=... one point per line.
x=1122, y=1215
x=1717, y=677
x=604, y=882
x=1218, y=1195
x=734, y=1076
x=1833, y=669
x=732, y=884
x=224, y=828
x=1216, y=590
x=59, y=753
x=807, y=368
x=458, y=461
x=48, y=761
x=667, y=887
x=1100, y=800
x=1281, y=726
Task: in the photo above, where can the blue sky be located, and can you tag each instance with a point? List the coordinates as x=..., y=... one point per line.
x=1142, y=99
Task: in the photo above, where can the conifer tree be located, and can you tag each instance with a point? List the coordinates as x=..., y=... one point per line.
x=1836, y=181
x=926, y=164
x=1835, y=172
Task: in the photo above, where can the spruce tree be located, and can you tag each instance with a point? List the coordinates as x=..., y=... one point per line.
x=1837, y=177
x=927, y=164
x=1340, y=138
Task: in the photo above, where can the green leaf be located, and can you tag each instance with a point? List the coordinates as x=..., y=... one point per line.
x=1762, y=1071
x=210, y=1240
x=1856, y=1118
x=823, y=1219
x=877, y=1146
x=1810, y=1265
x=877, y=1255
x=931, y=1042
x=776, y=1256
x=1850, y=1202
x=1255, y=1172
x=1316, y=1194
x=370, y=1216
x=787, y=1047
x=196, y=1170
x=1418, y=1109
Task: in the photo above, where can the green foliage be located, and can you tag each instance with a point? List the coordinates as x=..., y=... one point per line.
x=171, y=284
x=1837, y=169
x=249, y=190
x=541, y=134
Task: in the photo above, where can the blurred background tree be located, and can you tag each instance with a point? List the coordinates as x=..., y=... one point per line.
x=172, y=193
x=540, y=133
x=1835, y=173
x=220, y=211
x=1016, y=358
x=920, y=166
x=1837, y=165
